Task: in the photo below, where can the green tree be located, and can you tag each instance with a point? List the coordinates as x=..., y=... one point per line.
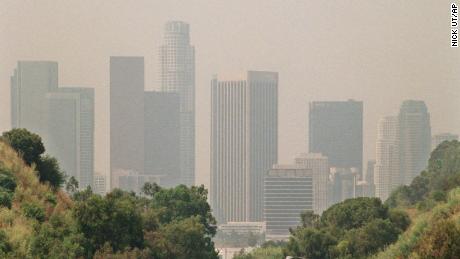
x=310, y=243
x=309, y=219
x=115, y=219
x=184, y=202
x=27, y=144
x=30, y=147
x=182, y=239
x=441, y=241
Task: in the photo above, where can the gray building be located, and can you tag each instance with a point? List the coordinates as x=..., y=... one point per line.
x=244, y=144
x=71, y=131
x=415, y=139
x=162, y=137
x=126, y=114
x=336, y=131
x=177, y=62
x=369, y=178
x=439, y=138
x=343, y=182
x=288, y=192
x=319, y=166
x=30, y=83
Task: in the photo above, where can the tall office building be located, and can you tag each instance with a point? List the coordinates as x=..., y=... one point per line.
x=387, y=166
x=336, y=131
x=126, y=114
x=30, y=83
x=162, y=137
x=244, y=144
x=177, y=75
x=369, y=178
x=439, y=138
x=343, y=183
x=319, y=166
x=415, y=139
x=288, y=192
x=71, y=131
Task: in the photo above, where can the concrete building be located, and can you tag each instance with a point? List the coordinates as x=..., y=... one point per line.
x=369, y=178
x=343, y=183
x=387, y=167
x=439, y=138
x=336, y=131
x=319, y=166
x=100, y=184
x=177, y=75
x=133, y=181
x=30, y=83
x=70, y=113
x=288, y=192
x=162, y=137
x=126, y=114
x=415, y=139
x=244, y=227
x=244, y=144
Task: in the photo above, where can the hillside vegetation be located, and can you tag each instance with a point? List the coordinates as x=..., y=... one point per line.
x=39, y=220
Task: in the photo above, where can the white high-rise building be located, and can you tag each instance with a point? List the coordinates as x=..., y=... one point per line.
x=244, y=144
x=319, y=166
x=415, y=139
x=387, y=168
x=177, y=75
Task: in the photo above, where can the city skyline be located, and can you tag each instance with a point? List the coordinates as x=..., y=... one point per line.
x=304, y=81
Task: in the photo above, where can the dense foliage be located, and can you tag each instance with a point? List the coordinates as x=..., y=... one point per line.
x=355, y=228
x=38, y=220
x=31, y=149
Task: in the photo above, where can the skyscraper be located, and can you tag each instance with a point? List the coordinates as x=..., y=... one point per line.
x=387, y=166
x=415, y=139
x=30, y=83
x=126, y=114
x=288, y=192
x=336, y=131
x=177, y=75
x=319, y=166
x=369, y=178
x=71, y=131
x=162, y=136
x=439, y=138
x=244, y=144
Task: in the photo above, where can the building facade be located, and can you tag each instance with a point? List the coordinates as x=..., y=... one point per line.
x=288, y=192
x=319, y=166
x=162, y=137
x=126, y=114
x=177, y=75
x=336, y=131
x=244, y=144
x=415, y=139
x=30, y=83
x=71, y=131
x=387, y=166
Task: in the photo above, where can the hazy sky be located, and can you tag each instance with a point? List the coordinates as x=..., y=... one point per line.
x=380, y=52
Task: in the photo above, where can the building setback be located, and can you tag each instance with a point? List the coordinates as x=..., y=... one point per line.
x=162, y=137
x=126, y=114
x=177, y=75
x=336, y=131
x=71, y=131
x=244, y=144
x=415, y=139
x=288, y=192
x=387, y=167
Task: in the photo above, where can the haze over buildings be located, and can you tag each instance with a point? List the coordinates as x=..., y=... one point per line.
x=318, y=57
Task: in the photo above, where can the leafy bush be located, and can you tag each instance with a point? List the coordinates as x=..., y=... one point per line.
x=33, y=211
